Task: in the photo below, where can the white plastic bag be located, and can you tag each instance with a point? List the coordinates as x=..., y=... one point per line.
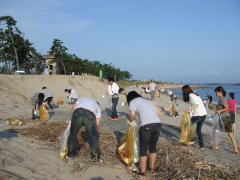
x=63, y=138
x=217, y=129
x=107, y=100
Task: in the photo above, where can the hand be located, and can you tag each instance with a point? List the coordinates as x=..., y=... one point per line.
x=187, y=111
x=103, y=96
x=123, y=104
x=43, y=104
x=35, y=113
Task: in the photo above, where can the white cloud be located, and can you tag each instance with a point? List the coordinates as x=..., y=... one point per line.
x=212, y=72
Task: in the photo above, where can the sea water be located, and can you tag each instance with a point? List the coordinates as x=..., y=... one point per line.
x=202, y=92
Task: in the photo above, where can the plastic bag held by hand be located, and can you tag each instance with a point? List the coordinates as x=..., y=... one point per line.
x=103, y=96
x=43, y=112
x=123, y=104
x=188, y=131
x=129, y=147
x=63, y=138
x=217, y=129
x=35, y=113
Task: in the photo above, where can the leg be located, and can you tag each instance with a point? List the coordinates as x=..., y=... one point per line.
x=76, y=124
x=33, y=115
x=114, y=107
x=93, y=135
x=199, y=130
x=49, y=102
x=233, y=142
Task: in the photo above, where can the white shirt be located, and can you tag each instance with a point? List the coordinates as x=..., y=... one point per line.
x=113, y=89
x=90, y=105
x=200, y=110
x=152, y=86
x=73, y=94
x=47, y=93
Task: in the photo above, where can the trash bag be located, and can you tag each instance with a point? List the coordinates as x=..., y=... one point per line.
x=173, y=108
x=217, y=129
x=60, y=100
x=63, y=139
x=16, y=121
x=188, y=131
x=211, y=105
x=156, y=93
x=43, y=114
x=129, y=147
x=107, y=100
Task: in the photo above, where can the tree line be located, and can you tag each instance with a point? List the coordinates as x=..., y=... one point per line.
x=18, y=53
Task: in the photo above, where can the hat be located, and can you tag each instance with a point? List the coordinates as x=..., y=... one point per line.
x=170, y=93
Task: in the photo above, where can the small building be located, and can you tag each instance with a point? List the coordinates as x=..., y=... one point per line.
x=51, y=66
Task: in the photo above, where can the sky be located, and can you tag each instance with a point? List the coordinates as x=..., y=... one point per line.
x=166, y=40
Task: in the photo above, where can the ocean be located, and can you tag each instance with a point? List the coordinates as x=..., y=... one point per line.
x=210, y=90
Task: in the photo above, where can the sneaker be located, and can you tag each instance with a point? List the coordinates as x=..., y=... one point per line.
x=115, y=118
x=176, y=116
x=67, y=157
x=111, y=118
x=140, y=173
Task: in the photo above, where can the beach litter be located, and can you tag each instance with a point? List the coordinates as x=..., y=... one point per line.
x=173, y=162
x=16, y=121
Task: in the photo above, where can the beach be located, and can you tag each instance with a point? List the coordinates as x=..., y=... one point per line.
x=27, y=158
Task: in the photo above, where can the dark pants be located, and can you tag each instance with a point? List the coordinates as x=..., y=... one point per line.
x=148, y=136
x=82, y=117
x=232, y=114
x=199, y=121
x=39, y=104
x=114, y=107
x=49, y=99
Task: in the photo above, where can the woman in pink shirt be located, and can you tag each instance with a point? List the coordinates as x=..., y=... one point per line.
x=232, y=108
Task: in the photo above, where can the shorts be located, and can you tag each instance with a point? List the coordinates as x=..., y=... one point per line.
x=227, y=124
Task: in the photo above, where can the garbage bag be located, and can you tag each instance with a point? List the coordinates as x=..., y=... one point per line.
x=188, y=131
x=60, y=100
x=63, y=139
x=43, y=112
x=129, y=147
x=107, y=100
x=173, y=108
x=217, y=129
x=156, y=93
x=16, y=121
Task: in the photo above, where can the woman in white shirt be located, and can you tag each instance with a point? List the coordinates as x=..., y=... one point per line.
x=197, y=111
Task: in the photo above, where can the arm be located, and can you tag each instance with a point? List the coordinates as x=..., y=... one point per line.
x=225, y=106
x=73, y=107
x=132, y=114
x=158, y=111
x=98, y=123
x=191, y=108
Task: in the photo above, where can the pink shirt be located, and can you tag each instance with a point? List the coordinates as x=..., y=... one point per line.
x=232, y=103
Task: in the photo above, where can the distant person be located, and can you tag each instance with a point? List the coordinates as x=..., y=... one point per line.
x=197, y=111
x=173, y=98
x=149, y=130
x=85, y=112
x=37, y=99
x=71, y=95
x=48, y=97
x=210, y=101
x=46, y=71
x=152, y=88
x=232, y=108
x=113, y=91
x=222, y=109
x=124, y=92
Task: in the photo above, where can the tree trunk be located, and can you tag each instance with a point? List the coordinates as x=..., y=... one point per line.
x=63, y=66
x=15, y=51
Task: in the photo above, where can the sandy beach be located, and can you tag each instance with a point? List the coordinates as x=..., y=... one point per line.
x=27, y=158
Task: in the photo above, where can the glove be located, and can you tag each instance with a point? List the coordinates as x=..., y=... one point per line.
x=43, y=104
x=35, y=113
x=103, y=96
x=123, y=104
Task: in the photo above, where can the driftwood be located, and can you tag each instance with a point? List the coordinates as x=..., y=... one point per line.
x=173, y=162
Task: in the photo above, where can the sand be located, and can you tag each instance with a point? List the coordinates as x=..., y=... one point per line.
x=27, y=158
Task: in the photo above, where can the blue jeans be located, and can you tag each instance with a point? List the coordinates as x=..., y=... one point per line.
x=114, y=109
x=152, y=94
x=199, y=121
x=148, y=136
x=82, y=117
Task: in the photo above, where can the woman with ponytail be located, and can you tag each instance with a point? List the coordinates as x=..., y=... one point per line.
x=222, y=109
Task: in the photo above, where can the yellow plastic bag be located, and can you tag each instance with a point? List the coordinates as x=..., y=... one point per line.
x=188, y=131
x=16, y=121
x=156, y=93
x=60, y=100
x=173, y=108
x=43, y=112
x=211, y=105
x=129, y=147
